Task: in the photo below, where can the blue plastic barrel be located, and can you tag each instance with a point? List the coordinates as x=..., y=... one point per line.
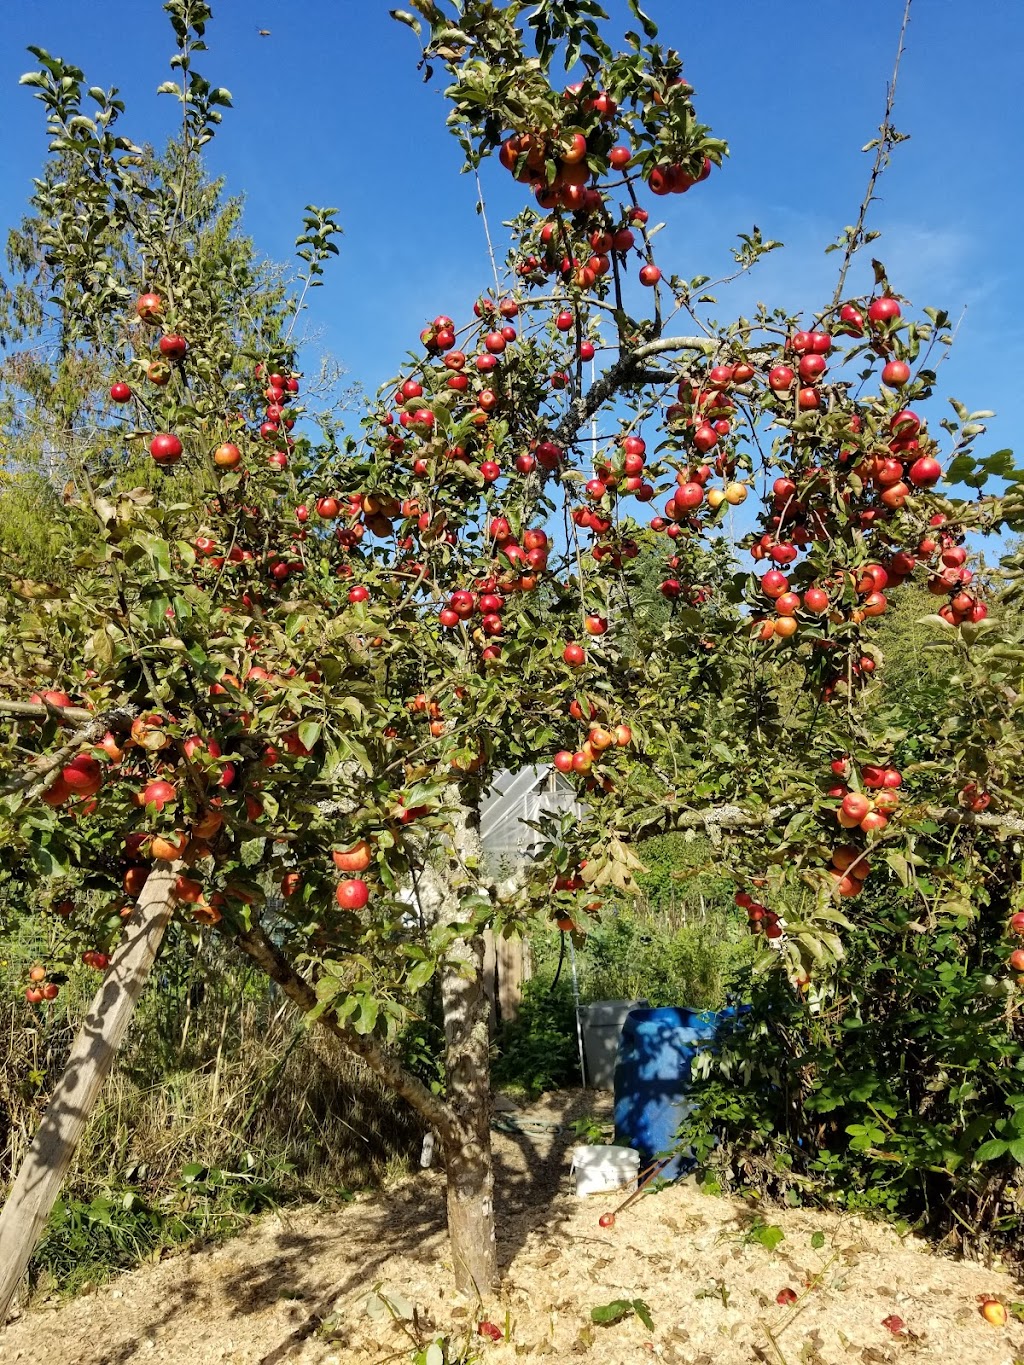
x=652, y=1078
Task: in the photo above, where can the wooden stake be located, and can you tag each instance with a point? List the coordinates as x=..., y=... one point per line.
x=71, y=1105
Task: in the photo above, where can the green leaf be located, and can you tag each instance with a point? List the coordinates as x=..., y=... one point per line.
x=366, y=1017
x=901, y=867
x=961, y=468
x=53, y=863
x=767, y=1234
x=159, y=552
x=650, y=28
x=309, y=733
x=418, y=977
x=991, y=1151
x=607, y=1313
x=327, y=988
x=409, y=20
x=643, y=1313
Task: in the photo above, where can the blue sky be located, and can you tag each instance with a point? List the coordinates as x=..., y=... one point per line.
x=329, y=109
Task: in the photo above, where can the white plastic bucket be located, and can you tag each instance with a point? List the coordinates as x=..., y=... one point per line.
x=600, y=1170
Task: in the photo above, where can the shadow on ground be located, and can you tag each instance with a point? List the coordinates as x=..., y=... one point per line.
x=292, y=1268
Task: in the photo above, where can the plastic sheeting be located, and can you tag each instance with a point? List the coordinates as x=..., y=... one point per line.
x=507, y=842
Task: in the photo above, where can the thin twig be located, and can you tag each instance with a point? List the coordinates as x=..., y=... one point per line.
x=885, y=142
x=487, y=231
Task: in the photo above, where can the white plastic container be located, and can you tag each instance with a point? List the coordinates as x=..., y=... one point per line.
x=603, y=1170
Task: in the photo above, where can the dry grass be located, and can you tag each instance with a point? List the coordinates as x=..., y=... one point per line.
x=214, y=1068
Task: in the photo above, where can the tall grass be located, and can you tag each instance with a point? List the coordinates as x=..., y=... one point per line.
x=690, y=953
x=221, y=1102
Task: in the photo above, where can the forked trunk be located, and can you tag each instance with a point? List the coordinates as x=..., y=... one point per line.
x=463, y=1120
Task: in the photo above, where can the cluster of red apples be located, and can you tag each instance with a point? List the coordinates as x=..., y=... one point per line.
x=39, y=990
x=165, y=448
x=600, y=738
x=564, y=166
x=183, y=787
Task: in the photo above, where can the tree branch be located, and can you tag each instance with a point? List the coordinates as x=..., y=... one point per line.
x=705, y=344
x=44, y=710
x=887, y=138
x=629, y=369
x=269, y=958
x=37, y=779
x=735, y=817
x=583, y=408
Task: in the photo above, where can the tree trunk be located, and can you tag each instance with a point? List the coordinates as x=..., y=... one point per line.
x=470, y=1201
x=53, y=1148
x=467, y=1153
x=463, y=1119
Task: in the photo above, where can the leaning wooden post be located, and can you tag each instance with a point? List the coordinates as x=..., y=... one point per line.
x=53, y=1148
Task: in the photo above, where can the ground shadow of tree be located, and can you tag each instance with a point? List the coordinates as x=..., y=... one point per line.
x=314, y=1265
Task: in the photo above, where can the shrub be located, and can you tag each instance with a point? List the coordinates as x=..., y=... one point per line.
x=897, y=1089
x=539, y=1050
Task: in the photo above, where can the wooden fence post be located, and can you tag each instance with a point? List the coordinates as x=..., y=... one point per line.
x=490, y=978
x=511, y=975
x=53, y=1148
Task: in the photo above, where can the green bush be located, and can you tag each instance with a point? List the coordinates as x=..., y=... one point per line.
x=635, y=956
x=539, y=1051
x=681, y=882
x=684, y=945
x=896, y=1088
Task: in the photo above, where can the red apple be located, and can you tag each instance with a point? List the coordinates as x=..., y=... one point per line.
x=852, y=319
x=925, y=472
x=83, y=775
x=165, y=448
x=895, y=374
x=855, y=806
x=173, y=346
x=157, y=793
x=884, y=309
x=149, y=307
x=352, y=894
x=227, y=456
x=354, y=859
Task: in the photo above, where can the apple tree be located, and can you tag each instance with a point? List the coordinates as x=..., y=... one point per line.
x=290, y=659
